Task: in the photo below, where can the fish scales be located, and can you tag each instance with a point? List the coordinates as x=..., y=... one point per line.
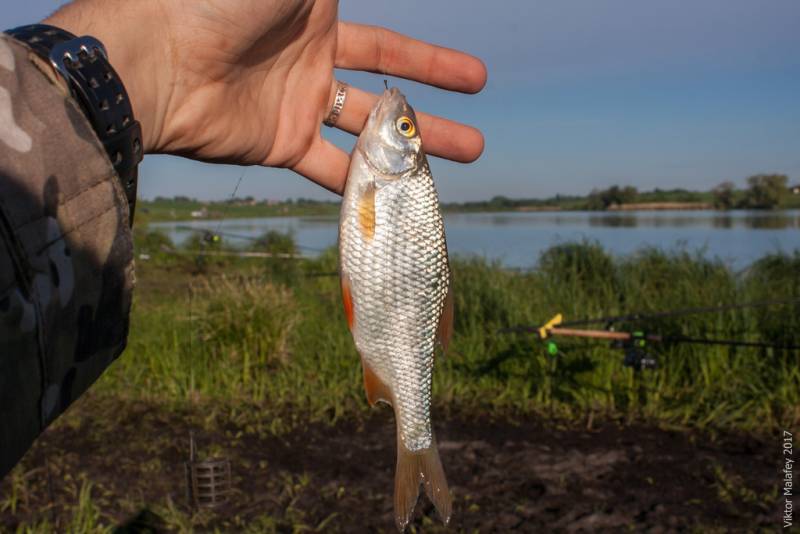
x=395, y=279
x=401, y=279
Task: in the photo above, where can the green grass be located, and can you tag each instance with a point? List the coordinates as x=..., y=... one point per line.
x=273, y=334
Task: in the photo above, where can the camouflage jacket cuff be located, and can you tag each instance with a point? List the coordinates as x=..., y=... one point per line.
x=66, y=260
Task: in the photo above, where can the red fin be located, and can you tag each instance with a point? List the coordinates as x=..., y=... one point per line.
x=347, y=300
x=414, y=468
x=374, y=386
x=445, y=330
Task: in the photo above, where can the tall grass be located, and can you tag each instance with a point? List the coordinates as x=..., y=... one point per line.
x=273, y=334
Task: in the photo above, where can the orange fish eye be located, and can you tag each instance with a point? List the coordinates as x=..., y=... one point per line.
x=406, y=127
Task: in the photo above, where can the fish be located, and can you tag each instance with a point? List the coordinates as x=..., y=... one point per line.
x=396, y=289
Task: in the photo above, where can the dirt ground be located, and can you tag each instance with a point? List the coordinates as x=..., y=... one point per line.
x=527, y=475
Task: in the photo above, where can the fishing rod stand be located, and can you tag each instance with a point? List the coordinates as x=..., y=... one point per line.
x=633, y=343
x=636, y=357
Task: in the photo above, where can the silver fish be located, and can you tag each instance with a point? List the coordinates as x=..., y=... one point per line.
x=395, y=278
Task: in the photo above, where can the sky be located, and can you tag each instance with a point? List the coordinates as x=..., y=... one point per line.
x=582, y=94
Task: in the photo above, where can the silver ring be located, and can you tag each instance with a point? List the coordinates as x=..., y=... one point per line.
x=338, y=104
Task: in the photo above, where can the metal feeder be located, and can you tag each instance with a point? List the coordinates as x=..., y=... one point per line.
x=208, y=482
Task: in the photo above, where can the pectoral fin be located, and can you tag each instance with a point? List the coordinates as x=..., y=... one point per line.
x=347, y=300
x=366, y=212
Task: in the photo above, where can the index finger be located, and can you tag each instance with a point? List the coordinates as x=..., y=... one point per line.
x=375, y=49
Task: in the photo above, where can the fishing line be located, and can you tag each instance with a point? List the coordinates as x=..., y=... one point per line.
x=230, y=200
x=728, y=342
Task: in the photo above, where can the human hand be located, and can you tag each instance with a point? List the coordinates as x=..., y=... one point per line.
x=249, y=82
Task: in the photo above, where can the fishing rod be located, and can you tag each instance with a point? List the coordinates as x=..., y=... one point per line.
x=246, y=254
x=554, y=328
x=635, y=342
x=243, y=254
x=639, y=316
x=209, y=235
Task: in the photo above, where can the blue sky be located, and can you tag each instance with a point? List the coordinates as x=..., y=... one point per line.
x=581, y=94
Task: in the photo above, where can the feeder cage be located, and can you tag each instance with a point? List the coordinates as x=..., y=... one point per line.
x=208, y=482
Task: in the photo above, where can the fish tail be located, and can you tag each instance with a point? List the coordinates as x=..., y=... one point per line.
x=414, y=468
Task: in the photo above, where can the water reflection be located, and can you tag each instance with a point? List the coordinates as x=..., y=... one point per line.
x=723, y=221
x=775, y=221
x=614, y=221
x=636, y=219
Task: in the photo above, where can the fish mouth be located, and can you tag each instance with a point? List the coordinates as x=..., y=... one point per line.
x=390, y=99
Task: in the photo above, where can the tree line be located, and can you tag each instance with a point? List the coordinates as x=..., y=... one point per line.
x=764, y=191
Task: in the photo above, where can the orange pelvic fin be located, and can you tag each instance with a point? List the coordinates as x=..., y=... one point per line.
x=374, y=386
x=366, y=212
x=347, y=300
x=414, y=468
x=445, y=331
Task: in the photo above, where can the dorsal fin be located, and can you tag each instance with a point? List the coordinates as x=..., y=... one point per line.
x=445, y=330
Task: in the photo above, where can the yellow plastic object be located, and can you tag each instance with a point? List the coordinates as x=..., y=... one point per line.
x=544, y=331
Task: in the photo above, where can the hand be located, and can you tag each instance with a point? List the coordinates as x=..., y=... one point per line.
x=250, y=81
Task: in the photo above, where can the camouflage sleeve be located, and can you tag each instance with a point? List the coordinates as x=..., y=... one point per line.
x=66, y=267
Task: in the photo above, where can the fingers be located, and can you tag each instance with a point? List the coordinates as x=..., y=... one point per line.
x=325, y=164
x=382, y=51
x=440, y=137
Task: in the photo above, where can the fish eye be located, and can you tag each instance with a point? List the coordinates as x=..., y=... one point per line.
x=406, y=127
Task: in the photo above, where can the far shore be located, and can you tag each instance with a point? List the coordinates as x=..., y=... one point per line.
x=654, y=206
x=333, y=211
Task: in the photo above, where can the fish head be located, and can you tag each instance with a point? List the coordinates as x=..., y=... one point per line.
x=390, y=142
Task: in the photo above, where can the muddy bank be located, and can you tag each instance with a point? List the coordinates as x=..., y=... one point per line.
x=525, y=475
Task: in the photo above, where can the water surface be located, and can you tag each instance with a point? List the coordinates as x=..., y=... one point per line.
x=517, y=238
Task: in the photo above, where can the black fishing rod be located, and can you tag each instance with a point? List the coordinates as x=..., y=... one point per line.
x=212, y=233
x=728, y=342
x=640, y=316
x=635, y=342
x=557, y=327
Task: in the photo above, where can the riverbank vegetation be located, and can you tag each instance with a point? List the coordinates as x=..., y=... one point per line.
x=256, y=350
x=272, y=332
